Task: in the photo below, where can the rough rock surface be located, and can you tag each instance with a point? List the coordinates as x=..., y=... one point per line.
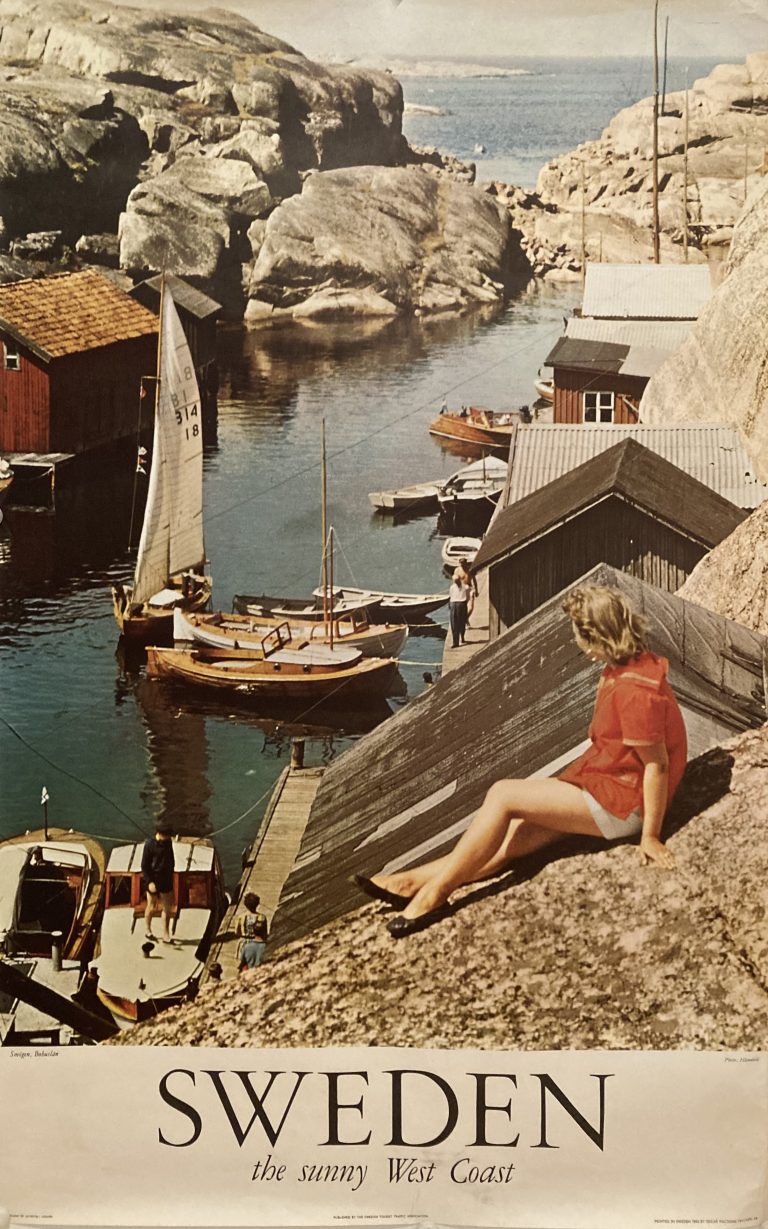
x=375, y=239
x=732, y=579
x=720, y=373
x=728, y=129
x=100, y=102
x=585, y=949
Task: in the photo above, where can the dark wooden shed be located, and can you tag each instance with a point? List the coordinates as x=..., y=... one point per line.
x=73, y=349
x=198, y=314
x=521, y=707
x=627, y=507
x=590, y=385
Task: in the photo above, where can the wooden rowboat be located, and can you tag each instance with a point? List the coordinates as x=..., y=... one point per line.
x=393, y=607
x=420, y=497
x=285, y=675
x=292, y=609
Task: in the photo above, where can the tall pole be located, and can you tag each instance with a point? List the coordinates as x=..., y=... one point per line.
x=324, y=519
x=746, y=150
x=685, y=174
x=656, y=252
x=583, y=223
x=664, y=75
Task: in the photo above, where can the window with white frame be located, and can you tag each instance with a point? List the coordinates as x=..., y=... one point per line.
x=11, y=360
x=598, y=407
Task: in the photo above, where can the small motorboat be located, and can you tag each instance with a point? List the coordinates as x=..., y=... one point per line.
x=137, y=978
x=476, y=425
x=50, y=884
x=283, y=675
x=479, y=482
x=352, y=631
x=392, y=607
x=456, y=549
x=309, y=609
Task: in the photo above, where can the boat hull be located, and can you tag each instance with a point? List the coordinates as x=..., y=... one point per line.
x=453, y=427
x=153, y=625
x=246, y=679
x=394, y=607
x=240, y=631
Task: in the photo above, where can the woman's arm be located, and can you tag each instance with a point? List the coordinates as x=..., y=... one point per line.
x=655, y=797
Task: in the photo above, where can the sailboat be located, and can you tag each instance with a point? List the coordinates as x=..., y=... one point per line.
x=171, y=556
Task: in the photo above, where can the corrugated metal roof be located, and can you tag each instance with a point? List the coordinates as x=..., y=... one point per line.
x=642, y=361
x=68, y=313
x=521, y=703
x=646, y=292
x=664, y=335
x=710, y=452
x=627, y=469
x=184, y=295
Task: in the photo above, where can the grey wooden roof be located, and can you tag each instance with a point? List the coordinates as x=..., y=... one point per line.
x=629, y=470
x=184, y=295
x=585, y=355
x=709, y=451
x=519, y=707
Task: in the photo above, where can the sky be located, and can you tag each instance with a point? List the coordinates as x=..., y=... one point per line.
x=373, y=29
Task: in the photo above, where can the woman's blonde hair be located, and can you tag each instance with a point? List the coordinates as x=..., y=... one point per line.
x=603, y=618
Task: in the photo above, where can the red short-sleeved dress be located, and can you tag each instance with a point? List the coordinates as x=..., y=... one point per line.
x=634, y=704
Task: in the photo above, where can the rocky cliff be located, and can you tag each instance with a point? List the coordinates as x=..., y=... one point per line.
x=180, y=135
x=612, y=177
x=732, y=579
x=585, y=948
x=720, y=373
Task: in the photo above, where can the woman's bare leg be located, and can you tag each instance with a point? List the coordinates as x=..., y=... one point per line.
x=522, y=838
x=551, y=804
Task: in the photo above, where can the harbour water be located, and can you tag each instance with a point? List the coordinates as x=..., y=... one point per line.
x=116, y=751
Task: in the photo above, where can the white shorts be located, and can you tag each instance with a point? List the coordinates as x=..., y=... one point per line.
x=610, y=825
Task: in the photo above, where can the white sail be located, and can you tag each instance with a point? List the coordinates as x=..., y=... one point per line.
x=172, y=534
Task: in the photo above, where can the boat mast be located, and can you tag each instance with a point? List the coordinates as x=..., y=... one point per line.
x=656, y=252
x=324, y=526
x=685, y=174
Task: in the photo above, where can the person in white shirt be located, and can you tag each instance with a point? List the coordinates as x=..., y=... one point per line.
x=458, y=606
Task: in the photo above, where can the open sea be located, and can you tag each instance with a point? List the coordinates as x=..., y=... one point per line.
x=115, y=751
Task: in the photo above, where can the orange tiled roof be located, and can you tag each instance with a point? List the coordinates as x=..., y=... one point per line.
x=67, y=313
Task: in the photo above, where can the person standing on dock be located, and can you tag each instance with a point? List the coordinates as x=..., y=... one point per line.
x=458, y=606
x=254, y=931
x=157, y=866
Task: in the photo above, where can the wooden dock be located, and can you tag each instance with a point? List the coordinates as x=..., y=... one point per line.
x=478, y=629
x=269, y=861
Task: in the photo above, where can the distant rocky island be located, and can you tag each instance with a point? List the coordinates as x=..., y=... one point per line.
x=137, y=140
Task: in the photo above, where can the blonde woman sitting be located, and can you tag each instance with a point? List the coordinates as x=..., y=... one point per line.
x=620, y=787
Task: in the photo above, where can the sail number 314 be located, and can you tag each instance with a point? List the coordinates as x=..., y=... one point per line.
x=184, y=417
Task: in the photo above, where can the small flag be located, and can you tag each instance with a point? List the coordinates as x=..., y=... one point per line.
x=142, y=390
x=44, y=797
x=141, y=460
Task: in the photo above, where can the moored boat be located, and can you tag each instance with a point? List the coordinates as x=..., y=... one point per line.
x=419, y=497
x=170, y=564
x=545, y=387
x=136, y=979
x=6, y=480
x=284, y=675
x=477, y=425
x=482, y=481
x=50, y=884
x=456, y=549
x=294, y=608
x=352, y=631
x=390, y=606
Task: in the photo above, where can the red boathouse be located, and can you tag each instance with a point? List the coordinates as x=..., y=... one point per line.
x=73, y=349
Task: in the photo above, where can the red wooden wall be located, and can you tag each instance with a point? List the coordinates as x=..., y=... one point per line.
x=571, y=383
x=24, y=402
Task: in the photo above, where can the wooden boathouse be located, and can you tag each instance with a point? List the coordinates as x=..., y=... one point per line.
x=627, y=507
x=632, y=318
x=521, y=707
x=73, y=349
